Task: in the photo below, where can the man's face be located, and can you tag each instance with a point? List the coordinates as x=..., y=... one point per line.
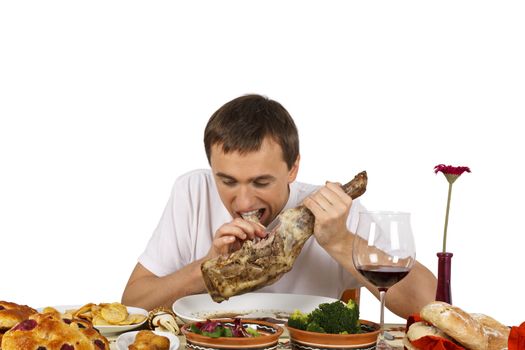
x=255, y=181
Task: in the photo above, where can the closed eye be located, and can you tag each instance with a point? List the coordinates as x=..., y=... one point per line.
x=260, y=184
x=229, y=182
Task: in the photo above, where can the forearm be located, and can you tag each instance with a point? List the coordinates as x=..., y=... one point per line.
x=413, y=292
x=149, y=291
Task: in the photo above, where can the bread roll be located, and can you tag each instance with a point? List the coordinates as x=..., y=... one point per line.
x=421, y=329
x=497, y=333
x=456, y=323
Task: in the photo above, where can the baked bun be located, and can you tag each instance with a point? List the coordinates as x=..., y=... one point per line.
x=147, y=340
x=421, y=329
x=497, y=333
x=457, y=323
x=11, y=314
x=50, y=332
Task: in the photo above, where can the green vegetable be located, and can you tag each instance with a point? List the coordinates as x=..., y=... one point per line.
x=215, y=334
x=334, y=318
x=298, y=320
x=195, y=329
x=314, y=327
x=227, y=332
x=252, y=332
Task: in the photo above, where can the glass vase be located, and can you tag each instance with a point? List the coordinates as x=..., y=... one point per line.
x=443, y=292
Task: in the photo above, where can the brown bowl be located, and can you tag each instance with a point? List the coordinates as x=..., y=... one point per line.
x=302, y=340
x=270, y=334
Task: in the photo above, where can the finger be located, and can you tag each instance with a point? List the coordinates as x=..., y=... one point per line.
x=325, y=198
x=334, y=198
x=223, y=241
x=231, y=230
x=333, y=206
x=222, y=244
x=337, y=188
x=261, y=233
x=251, y=229
x=314, y=207
x=259, y=229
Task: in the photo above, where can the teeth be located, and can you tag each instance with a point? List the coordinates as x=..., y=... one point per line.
x=250, y=213
x=253, y=215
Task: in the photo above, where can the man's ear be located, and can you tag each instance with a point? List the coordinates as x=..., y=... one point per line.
x=292, y=174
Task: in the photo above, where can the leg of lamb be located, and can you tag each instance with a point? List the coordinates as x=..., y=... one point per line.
x=258, y=264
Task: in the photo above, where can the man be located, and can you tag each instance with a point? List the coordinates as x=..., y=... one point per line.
x=252, y=146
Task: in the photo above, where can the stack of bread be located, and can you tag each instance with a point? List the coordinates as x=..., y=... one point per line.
x=446, y=323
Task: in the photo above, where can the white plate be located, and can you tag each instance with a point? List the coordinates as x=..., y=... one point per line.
x=126, y=339
x=107, y=330
x=251, y=305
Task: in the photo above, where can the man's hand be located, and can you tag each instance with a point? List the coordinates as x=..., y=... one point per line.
x=229, y=237
x=330, y=206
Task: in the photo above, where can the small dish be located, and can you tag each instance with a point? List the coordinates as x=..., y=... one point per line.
x=268, y=339
x=107, y=329
x=301, y=340
x=126, y=339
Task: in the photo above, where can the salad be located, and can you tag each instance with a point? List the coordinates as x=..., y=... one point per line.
x=216, y=329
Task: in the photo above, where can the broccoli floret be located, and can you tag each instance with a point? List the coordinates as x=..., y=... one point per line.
x=314, y=327
x=337, y=317
x=351, y=304
x=298, y=320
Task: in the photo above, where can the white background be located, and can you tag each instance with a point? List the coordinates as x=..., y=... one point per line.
x=103, y=104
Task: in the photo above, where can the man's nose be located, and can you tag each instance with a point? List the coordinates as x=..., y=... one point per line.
x=244, y=198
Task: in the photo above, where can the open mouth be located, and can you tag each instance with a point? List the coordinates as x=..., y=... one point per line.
x=253, y=215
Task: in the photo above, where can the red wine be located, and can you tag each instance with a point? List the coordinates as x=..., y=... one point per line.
x=383, y=277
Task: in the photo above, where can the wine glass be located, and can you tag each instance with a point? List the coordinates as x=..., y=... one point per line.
x=383, y=252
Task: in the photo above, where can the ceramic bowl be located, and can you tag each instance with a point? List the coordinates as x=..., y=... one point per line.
x=126, y=339
x=304, y=340
x=270, y=334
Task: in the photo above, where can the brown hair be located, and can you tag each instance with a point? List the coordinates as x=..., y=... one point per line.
x=242, y=124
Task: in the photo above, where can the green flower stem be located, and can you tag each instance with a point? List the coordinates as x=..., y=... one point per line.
x=446, y=217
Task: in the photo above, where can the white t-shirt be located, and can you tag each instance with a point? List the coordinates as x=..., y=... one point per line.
x=194, y=213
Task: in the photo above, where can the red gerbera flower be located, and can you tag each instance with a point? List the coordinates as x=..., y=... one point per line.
x=451, y=173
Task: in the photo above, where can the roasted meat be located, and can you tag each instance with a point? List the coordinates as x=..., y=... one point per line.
x=258, y=264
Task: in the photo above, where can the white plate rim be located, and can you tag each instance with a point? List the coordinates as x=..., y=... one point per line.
x=127, y=338
x=106, y=329
x=193, y=308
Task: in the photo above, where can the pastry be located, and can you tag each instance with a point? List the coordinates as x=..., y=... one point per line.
x=147, y=340
x=11, y=314
x=48, y=331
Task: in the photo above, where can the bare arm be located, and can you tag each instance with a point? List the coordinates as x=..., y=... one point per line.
x=146, y=290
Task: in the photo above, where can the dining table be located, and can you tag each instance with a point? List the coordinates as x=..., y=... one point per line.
x=395, y=329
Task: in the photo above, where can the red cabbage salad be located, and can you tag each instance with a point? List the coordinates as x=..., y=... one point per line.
x=216, y=329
